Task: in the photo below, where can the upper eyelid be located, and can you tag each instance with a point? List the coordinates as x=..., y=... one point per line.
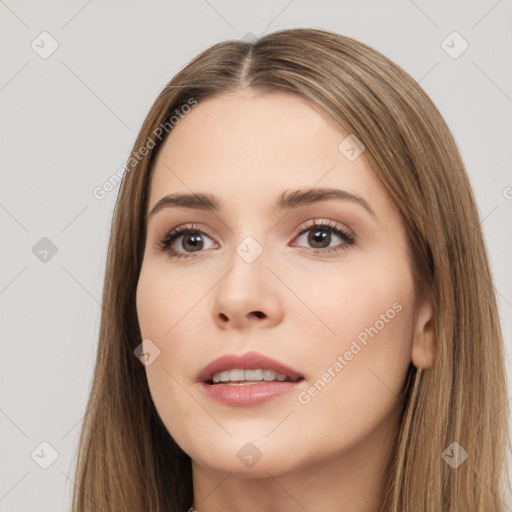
x=324, y=223
x=184, y=229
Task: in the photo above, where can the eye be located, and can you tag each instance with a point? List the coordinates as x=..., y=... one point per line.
x=192, y=240
x=318, y=234
x=184, y=241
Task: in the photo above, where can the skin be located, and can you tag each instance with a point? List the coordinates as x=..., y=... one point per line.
x=329, y=454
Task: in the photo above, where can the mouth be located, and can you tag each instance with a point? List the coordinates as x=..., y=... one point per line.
x=248, y=379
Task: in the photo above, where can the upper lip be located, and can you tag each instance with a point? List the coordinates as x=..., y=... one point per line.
x=247, y=361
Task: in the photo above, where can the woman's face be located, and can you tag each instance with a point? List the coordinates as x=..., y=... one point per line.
x=319, y=283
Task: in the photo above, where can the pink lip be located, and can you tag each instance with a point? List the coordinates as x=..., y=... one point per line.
x=246, y=394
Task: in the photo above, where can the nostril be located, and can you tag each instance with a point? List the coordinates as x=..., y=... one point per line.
x=259, y=314
x=223, y=317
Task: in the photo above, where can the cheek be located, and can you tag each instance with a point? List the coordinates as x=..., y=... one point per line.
x=360, y=366
x=363, y=295
x=162, y=302
x=164, y=312
x=357, y=384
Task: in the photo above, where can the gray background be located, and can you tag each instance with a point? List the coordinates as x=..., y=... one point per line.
x=69, y=121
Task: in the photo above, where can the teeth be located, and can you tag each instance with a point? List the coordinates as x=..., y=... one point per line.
x=252, y=375
x=269, y=375
x=237, y=375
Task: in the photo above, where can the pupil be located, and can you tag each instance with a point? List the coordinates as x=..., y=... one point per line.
x=317, y=237
x=194, y=241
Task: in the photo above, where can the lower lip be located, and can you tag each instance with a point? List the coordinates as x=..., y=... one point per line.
x=244, y=395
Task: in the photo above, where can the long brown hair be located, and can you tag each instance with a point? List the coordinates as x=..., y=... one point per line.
x=127, y=461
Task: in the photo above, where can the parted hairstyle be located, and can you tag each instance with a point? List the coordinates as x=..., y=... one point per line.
x=126, y=459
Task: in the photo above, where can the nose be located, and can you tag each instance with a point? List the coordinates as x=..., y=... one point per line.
x=248, y=296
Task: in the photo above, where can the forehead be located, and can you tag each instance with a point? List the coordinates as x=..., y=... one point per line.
x=246, y=146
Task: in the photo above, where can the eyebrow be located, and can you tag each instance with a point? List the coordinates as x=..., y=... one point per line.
x=288, y=200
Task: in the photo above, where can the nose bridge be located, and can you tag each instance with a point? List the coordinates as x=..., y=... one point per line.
x=247, y=293
x=248, y=272
x=250, y=249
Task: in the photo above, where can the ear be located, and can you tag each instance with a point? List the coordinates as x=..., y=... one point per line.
x=424, y=338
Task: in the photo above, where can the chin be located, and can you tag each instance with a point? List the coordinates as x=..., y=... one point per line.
x=243, y=457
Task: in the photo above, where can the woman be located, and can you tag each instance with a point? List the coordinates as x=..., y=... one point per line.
x=298, y=307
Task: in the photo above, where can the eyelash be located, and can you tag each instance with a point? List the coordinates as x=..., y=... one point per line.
x=348, y=238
